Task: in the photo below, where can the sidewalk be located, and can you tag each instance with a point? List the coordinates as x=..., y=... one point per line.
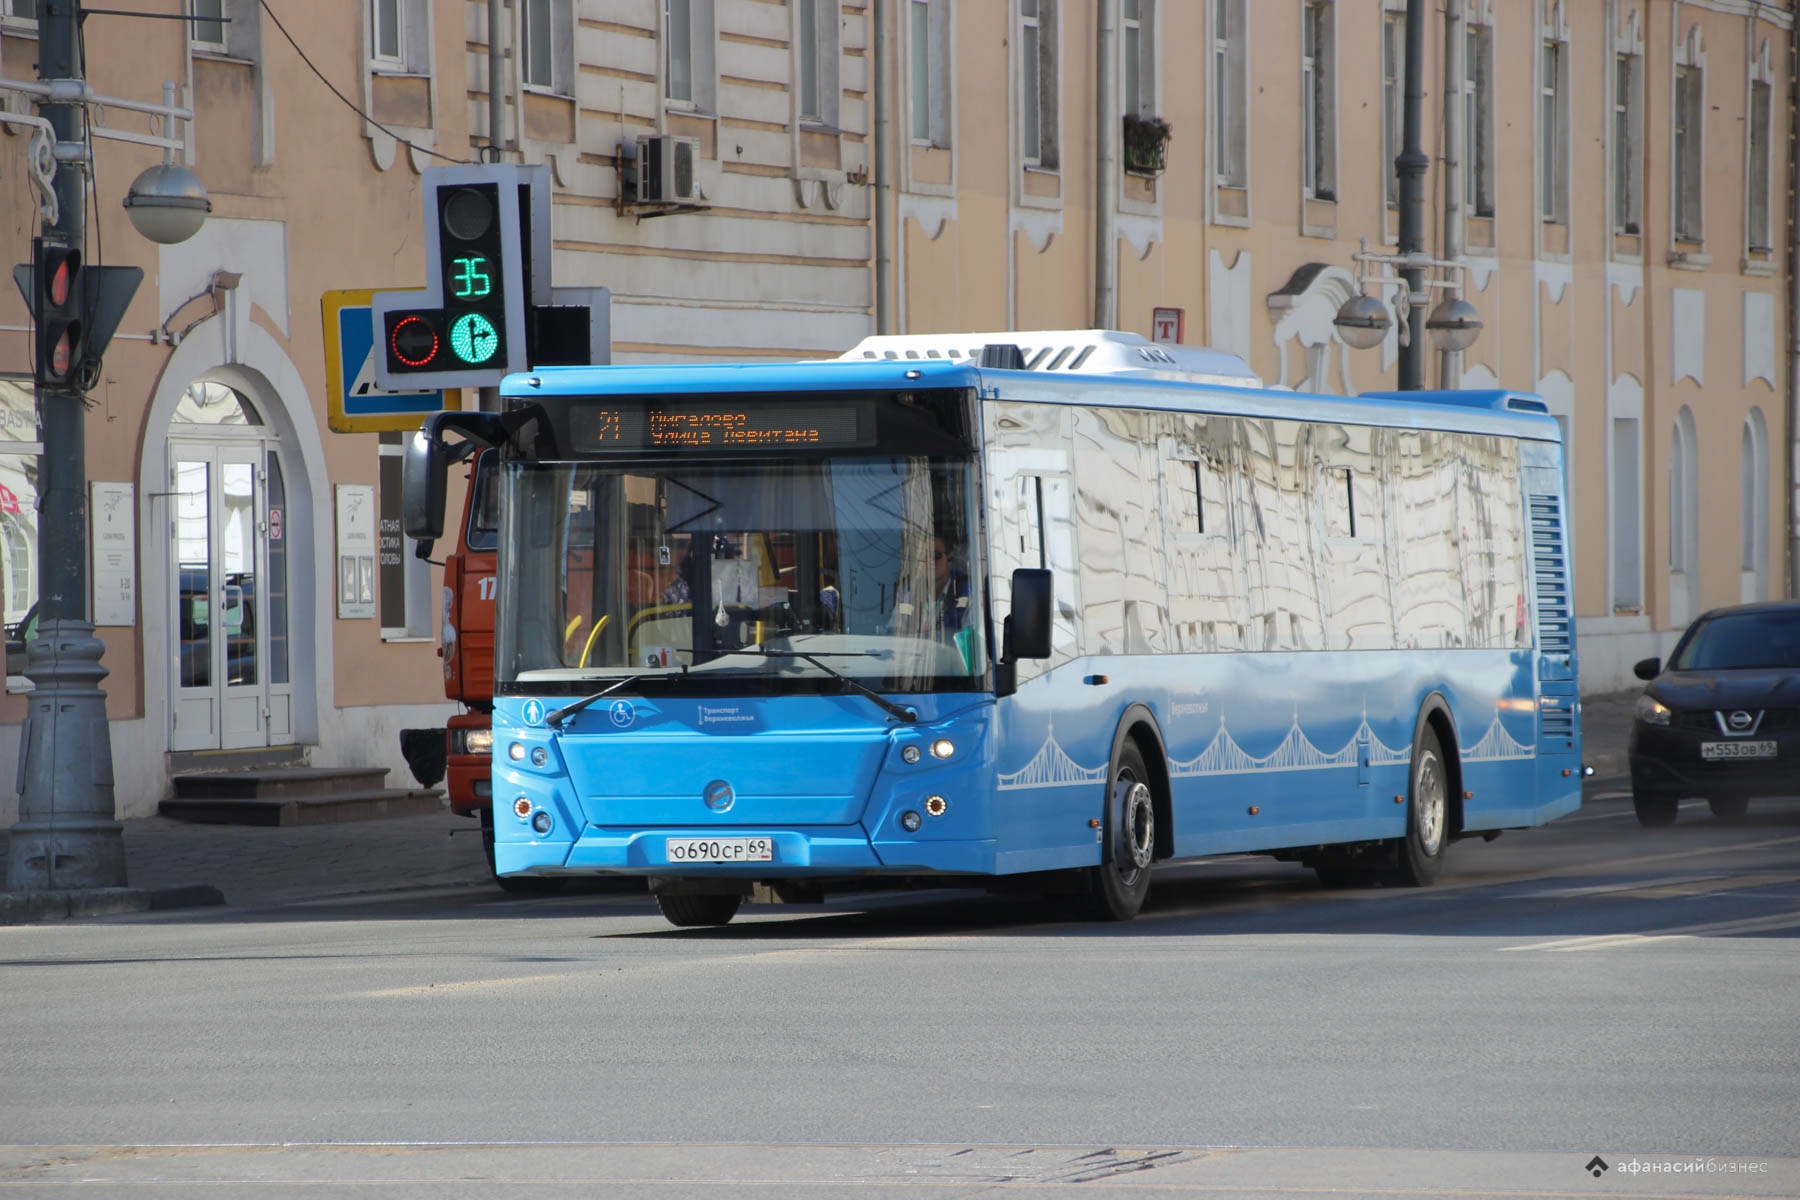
x=172, y=864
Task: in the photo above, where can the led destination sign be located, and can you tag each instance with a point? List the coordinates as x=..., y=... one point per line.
x=739, y=423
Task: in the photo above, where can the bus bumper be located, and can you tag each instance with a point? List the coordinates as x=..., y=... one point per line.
x=844, y=850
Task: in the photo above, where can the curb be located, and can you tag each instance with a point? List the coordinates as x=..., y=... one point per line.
x=21, y=908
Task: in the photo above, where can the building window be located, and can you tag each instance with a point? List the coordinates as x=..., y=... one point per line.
x=1230, y=105
x=1627, y=564
x=1318, y=108
x=207, y=31
x=1753, y=474
x=19, y=10
x=387, y=33
x=1758, y=236
x=1139, y=58
x=1039, y=90
x=1628, y=143
x=547, y=45
x=1478, y=118
x=1553, y=141
x=1393, y=102
x=816, y=51
x=928, y=56
x=1689, y=96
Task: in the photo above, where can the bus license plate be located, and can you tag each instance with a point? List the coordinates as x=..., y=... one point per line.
x=720, y=850
x=1714, y=751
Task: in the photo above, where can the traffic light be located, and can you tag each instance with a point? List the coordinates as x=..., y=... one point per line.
x=59, y=288
x=487, y=231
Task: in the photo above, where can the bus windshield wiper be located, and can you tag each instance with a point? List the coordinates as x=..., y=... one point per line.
x=557, y=716
x=899, y=712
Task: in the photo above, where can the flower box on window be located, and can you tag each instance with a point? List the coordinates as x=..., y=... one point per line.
x=1146, y=141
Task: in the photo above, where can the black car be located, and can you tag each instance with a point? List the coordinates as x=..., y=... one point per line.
x=1721, y=719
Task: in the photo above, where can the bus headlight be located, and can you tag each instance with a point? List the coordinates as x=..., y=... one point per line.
x=542, y=822
x=910, y=821
x=516, y=752
x=943, y=748
x=539, y=756
x=910, y=755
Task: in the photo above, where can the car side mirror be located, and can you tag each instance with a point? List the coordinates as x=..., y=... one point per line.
x=1647, y=668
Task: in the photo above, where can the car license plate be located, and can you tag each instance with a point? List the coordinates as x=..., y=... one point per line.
x=1714, y=751
x=719, y=850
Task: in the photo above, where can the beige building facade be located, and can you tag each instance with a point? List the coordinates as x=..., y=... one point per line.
x=1612, y=176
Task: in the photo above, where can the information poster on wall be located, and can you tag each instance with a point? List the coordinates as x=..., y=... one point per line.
x=355, y=551
x=112, y=513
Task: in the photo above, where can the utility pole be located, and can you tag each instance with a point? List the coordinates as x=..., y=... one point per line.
x=66, y=838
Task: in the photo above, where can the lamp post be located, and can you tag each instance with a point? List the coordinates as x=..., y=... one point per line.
x=67, y=838
x=1363, y=319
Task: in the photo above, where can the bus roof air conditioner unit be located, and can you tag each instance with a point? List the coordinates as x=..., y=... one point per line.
x=666, y=169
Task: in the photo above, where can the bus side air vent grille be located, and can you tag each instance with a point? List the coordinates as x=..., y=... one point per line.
x=1555, y=615
x=1559, y=722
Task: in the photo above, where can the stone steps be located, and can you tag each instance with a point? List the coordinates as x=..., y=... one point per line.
x=292, y=795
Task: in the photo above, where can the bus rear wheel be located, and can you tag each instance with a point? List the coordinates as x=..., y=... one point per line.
x=688, y=910
x=1421, y=851
x=1117, y=887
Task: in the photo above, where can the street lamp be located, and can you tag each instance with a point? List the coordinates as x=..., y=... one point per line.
x=68, y=838
x=1362, y=321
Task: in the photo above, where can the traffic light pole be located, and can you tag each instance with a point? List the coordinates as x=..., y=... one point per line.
x=67, y=837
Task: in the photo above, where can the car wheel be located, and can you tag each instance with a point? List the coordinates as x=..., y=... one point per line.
x=689, y=910
x=513, y=885
x=1117, y=887
x=1729, y=808
x=1654, y=809
x=1421, y=851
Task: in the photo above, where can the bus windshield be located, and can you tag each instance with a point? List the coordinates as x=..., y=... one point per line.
x=750, y=575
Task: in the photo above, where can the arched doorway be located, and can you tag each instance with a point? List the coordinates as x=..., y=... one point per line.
x=231, y=679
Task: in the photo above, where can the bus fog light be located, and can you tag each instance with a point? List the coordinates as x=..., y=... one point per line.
x=539, y=756
x=910, y=754
x=943, y=748
x=516, y=751
x=522, y=807
x=542, y=822
x=910, y=821
x=936, y=805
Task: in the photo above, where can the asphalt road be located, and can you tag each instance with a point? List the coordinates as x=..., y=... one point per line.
x=1588, y=989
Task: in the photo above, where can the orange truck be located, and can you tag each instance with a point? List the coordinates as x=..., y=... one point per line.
x=466, y=644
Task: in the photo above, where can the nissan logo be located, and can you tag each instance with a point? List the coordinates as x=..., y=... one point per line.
x=1740, y=720
x=718, y=796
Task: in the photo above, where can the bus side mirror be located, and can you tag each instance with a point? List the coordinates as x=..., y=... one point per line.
x=424, y=476
x=1033, y=607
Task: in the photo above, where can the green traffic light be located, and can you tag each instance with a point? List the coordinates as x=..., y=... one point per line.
x=473, y=338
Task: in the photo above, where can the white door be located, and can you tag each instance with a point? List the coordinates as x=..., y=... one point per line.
x=220, y=556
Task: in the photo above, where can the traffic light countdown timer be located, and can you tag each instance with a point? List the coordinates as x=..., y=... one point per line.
x=487, y=242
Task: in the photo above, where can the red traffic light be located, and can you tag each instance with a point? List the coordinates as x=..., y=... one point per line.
x=413, y=340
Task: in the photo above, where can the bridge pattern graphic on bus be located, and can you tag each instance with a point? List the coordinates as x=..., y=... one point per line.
x=1052, y=766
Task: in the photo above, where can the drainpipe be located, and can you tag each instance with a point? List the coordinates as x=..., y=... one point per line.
x=1793, y=273
x=878, y=173
x=1450, y=362
x=1412, y=165
x=496, y=81
x=1106, y=168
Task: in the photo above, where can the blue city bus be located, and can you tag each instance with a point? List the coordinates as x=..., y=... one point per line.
x=1060, y=605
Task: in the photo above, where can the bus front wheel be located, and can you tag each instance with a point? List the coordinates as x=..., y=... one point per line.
x=1117, y=887
x=1421, y=851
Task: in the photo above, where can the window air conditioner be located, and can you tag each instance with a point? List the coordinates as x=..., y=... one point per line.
x=665, y=169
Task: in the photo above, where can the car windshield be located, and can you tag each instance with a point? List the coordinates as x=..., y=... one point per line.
x=1741, y=641
x=743, y=577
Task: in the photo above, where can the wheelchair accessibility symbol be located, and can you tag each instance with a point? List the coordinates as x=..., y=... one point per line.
x=534, y=712
x=622, y=714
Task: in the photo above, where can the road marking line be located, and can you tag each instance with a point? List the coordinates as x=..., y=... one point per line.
x=1788, y=920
